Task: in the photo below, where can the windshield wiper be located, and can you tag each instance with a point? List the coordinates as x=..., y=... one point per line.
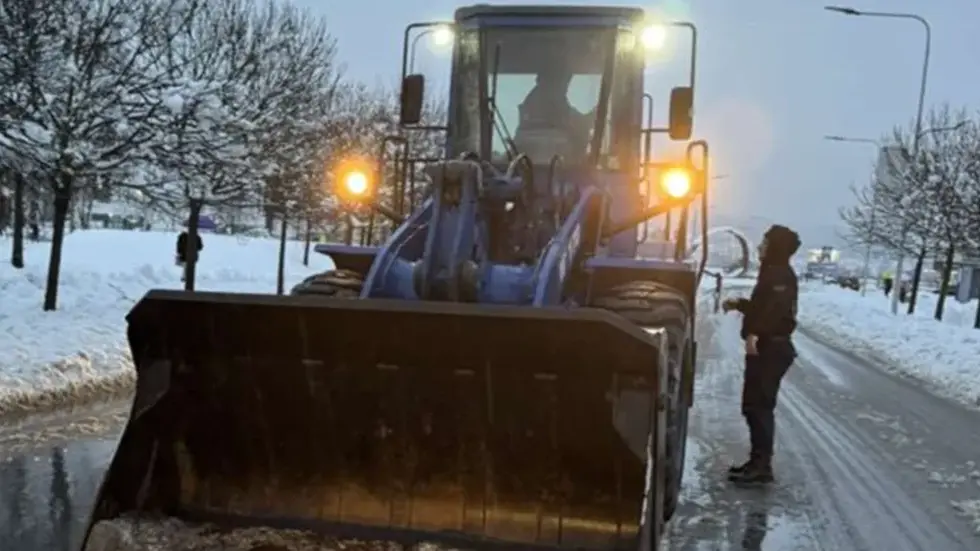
x=496, y=119
x=602, y=108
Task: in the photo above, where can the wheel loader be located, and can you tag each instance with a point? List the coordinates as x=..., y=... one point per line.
x=502, y=371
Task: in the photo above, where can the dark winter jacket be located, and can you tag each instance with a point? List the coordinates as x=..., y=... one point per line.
x=182, y=247
x=770, y=312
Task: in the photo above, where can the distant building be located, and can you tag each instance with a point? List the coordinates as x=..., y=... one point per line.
x=822, y=263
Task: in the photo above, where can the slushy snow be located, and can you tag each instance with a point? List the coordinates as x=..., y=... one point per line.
x=79, y=352
x=944, y=355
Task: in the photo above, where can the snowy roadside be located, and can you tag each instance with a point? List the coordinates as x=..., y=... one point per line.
x=946, y=356
x=79, y=353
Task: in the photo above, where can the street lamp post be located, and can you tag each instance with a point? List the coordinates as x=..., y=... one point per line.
x=874, y=209
x=441, y=35
x=695, y=213
x=918, y=116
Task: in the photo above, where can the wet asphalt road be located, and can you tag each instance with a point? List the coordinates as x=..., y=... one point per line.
x=50, y=470
x=866, y=461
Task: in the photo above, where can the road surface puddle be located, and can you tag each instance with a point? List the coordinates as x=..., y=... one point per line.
x=48, y=492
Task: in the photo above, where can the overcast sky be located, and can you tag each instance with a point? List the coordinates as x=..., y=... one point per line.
x=774, y=76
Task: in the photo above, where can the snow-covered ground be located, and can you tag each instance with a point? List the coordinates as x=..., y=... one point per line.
x=80, y=351
x=946, y=355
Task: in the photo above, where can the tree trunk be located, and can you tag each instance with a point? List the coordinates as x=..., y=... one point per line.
x=976, y=317
x=308, y=238
x=190, y=249
x=400, y=180
x=86, y=205
x=17, y=252
x=348, y=229
x=369, y=238
x=269, y=218
x=62, y=201
x=281, y=269
x=916, y=278
x=412, y=195
x=34, y=216
x=944, y=283
x=86, y=217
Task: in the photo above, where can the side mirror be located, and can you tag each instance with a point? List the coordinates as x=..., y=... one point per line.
x=681, y=123
x=413, y=91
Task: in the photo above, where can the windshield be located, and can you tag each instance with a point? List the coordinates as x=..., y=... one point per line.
x=546, y=85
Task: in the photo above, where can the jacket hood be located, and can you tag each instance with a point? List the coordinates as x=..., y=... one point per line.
x=781, y=244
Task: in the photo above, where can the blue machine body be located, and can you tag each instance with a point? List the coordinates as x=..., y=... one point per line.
x=565, y=262
x=477, y=401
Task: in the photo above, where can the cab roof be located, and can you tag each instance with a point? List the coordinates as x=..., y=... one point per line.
x=506, y=10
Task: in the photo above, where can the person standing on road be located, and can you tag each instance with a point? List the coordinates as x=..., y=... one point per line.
x=182, y=258
x=768, y=322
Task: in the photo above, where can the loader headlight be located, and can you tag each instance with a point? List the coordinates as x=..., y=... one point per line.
x=442, y=36
x=353, y=180
x=654, y=37
x=676, y=183
x=356, y=183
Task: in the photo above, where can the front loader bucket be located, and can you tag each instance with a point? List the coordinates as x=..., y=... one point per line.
x=474, y=426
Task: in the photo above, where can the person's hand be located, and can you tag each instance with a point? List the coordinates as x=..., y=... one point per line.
x=729, y=304
x=751, y=345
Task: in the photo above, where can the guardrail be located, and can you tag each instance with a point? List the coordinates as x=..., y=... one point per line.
x=723, y=284
x=716, y=290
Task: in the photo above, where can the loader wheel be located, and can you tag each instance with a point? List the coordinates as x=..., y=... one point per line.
x=334, y=284
x=651, y=304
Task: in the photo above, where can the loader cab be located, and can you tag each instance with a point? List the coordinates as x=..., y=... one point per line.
x=561, y=84
x=548, y=81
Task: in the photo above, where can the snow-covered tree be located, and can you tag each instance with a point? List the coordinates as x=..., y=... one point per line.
x=933, y=178
x=970, y=193
x=925, y=207
x=868, y=220
x=86, y=86
x=181, y=105
x=946, y=154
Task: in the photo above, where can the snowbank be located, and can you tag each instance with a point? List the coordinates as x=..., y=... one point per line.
x=79, y=352
x=946, y=355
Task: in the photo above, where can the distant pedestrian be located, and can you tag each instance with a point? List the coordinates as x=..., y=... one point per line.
x=718, y=287
x=4, y=211
x=886, y=284
x=182, y=252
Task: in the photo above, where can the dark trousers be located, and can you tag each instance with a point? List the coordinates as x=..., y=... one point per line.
x=763, y=374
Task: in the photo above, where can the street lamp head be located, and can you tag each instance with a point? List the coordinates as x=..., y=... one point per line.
x=842, y=9
x=834, y=138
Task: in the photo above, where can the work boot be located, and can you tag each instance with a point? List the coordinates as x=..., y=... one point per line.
x=739, y=469
x=756, y=472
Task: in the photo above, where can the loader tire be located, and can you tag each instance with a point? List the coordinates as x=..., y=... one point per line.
x=651, y=304
x=333, y=283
